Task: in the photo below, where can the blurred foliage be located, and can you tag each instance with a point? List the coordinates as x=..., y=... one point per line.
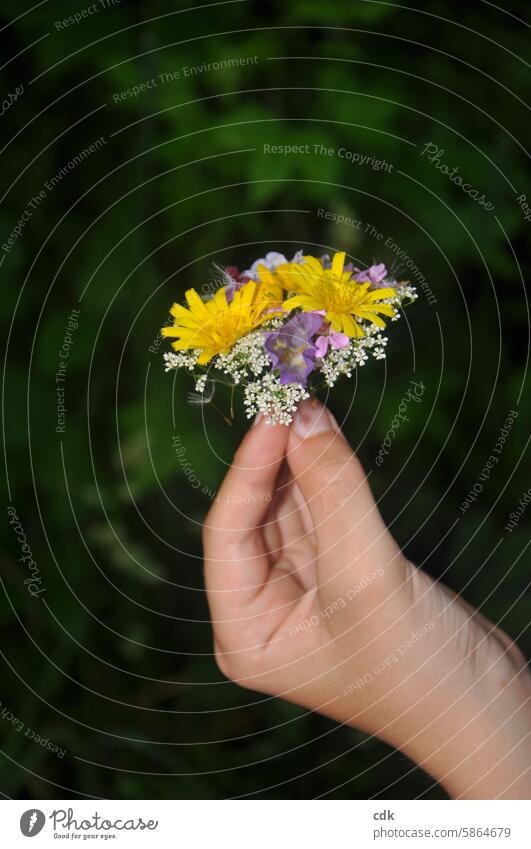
x=115, y=666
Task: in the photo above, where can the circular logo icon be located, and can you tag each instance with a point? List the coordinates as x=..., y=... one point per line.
x=31, y=822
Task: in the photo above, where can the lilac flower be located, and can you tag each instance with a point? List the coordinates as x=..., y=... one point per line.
x=271, y=260
x=375, y=275
x=298, y=257
x=234, y=281
x=291, y=349
x=332, y=338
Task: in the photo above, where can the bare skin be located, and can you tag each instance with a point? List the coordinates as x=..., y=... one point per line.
x=312, y=601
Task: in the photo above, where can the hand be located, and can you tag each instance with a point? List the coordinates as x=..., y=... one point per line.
x=313, y=601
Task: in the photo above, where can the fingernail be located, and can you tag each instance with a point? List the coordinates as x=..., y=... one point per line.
x=257, y=420
x=312, y=418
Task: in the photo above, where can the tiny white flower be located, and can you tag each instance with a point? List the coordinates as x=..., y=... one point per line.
x=276, y=401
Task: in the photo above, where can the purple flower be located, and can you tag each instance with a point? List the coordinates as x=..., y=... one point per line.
x=291, y=349
x=332, y=338
x=271, y=260
x=298, y=257
x=234, y=281
x=375, y=275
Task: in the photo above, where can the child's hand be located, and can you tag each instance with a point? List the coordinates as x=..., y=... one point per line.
x=313, y=601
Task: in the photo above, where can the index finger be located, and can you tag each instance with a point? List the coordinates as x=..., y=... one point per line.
x=236, y=562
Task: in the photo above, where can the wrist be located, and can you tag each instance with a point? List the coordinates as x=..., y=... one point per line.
x=467, y=725
x=474, y=739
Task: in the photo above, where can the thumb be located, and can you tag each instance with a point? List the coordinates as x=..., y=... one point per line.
x=352, y=537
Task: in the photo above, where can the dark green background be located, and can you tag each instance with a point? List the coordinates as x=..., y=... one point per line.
x=116, y=666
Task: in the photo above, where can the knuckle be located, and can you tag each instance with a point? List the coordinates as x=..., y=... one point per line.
x=236, y=666
x=223, y=663
x=228, y=662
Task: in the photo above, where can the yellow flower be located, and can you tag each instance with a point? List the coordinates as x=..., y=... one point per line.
x=214, y=326
x=334, y=291
x=270, y=283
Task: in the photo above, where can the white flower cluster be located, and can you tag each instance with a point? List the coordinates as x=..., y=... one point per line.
x=274, y=400
x=406, y=292
x=341, y=362
x=200, y=383
x=183, y=359
x=247, y=357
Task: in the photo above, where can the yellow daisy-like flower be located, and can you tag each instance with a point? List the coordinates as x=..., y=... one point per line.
x=334, y=291
x=214, y=326
x=271, y=284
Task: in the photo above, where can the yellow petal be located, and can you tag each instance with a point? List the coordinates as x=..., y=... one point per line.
x=170, y=331
x=195, y=302
x=312, y=262
x=385, y=309
x=219, y=301
x=372, y=317
x=337, y=263
x=178, y=311
x=349, y=325
x=289, y=275
x=291, y=303
x=380, y=294
x=247, y=293
x=179, y=345
x=311, y=304
x=187, y=321
x=265, y=275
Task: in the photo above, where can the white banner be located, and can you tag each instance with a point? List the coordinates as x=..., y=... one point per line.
x=263, y=824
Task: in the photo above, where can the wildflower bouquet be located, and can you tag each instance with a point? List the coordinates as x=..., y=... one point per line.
x=282, y=328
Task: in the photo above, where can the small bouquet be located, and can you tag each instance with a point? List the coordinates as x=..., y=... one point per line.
x=281, y=329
